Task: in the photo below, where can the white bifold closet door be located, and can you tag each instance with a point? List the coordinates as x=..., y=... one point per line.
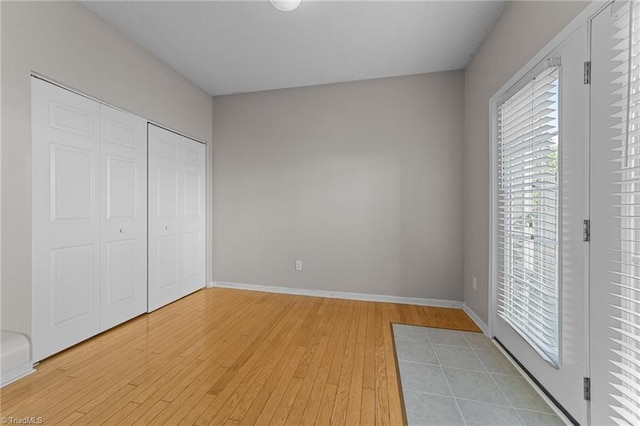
x=123, y=193
x=176, y=216
x=89, y=241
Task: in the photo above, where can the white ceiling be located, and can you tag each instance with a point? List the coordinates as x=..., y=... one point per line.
x=229, y=47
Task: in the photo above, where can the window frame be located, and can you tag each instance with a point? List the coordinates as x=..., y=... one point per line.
x=495, y=260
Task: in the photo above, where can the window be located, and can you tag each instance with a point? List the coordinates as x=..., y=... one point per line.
x=527, y=228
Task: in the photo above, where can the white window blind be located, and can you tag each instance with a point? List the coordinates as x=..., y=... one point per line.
x=625, y=257
x=527, y=229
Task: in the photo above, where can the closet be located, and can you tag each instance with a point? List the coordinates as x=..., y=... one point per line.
x=91, y=208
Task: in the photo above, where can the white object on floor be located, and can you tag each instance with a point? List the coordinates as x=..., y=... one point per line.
x=15, y=357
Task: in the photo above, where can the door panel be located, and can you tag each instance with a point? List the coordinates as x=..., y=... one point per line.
x=121, y=132
x=191, y=194
x=167, y=192
x=65, y=223
x=192, y=154
x=69, y=119
x=168, y=262
x=122, y=188
x=72, y=184
x=191, y=247
x=121, y=267
x=176, y=216
x=124, y=216
x=73, y=283
x=565, y=382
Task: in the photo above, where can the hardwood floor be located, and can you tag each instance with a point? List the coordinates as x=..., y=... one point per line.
x=232, y=357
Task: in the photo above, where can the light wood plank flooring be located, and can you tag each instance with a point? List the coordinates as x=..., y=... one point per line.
x=233, y=357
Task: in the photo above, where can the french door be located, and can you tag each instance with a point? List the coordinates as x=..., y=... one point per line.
x=555, y=309
x=599, y=181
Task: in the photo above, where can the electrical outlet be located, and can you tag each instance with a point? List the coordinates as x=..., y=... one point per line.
x=474, y=283
x=298, y=265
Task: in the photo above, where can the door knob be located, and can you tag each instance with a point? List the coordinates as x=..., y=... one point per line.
x=122, y=230
x=166, y=228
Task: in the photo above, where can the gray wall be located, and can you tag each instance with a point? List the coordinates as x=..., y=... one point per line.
x=66, y=42
x=362, y=181
x=523, y=29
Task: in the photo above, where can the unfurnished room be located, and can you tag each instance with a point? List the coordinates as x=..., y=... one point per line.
x=317, y=212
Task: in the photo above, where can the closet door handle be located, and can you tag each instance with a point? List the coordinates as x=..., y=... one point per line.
x=166, y=228
x=122, y=230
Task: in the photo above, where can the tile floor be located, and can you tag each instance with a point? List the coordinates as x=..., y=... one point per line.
x=454, y=377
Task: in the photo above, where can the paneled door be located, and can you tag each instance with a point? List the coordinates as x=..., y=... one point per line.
x=66, y=218
x=89, y=217
x=123, y=216
x=193, y=211
x=176, y=216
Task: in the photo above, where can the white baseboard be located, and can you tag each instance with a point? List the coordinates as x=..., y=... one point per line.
x=341, y=295
x=16, y=373
x=476, y=319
